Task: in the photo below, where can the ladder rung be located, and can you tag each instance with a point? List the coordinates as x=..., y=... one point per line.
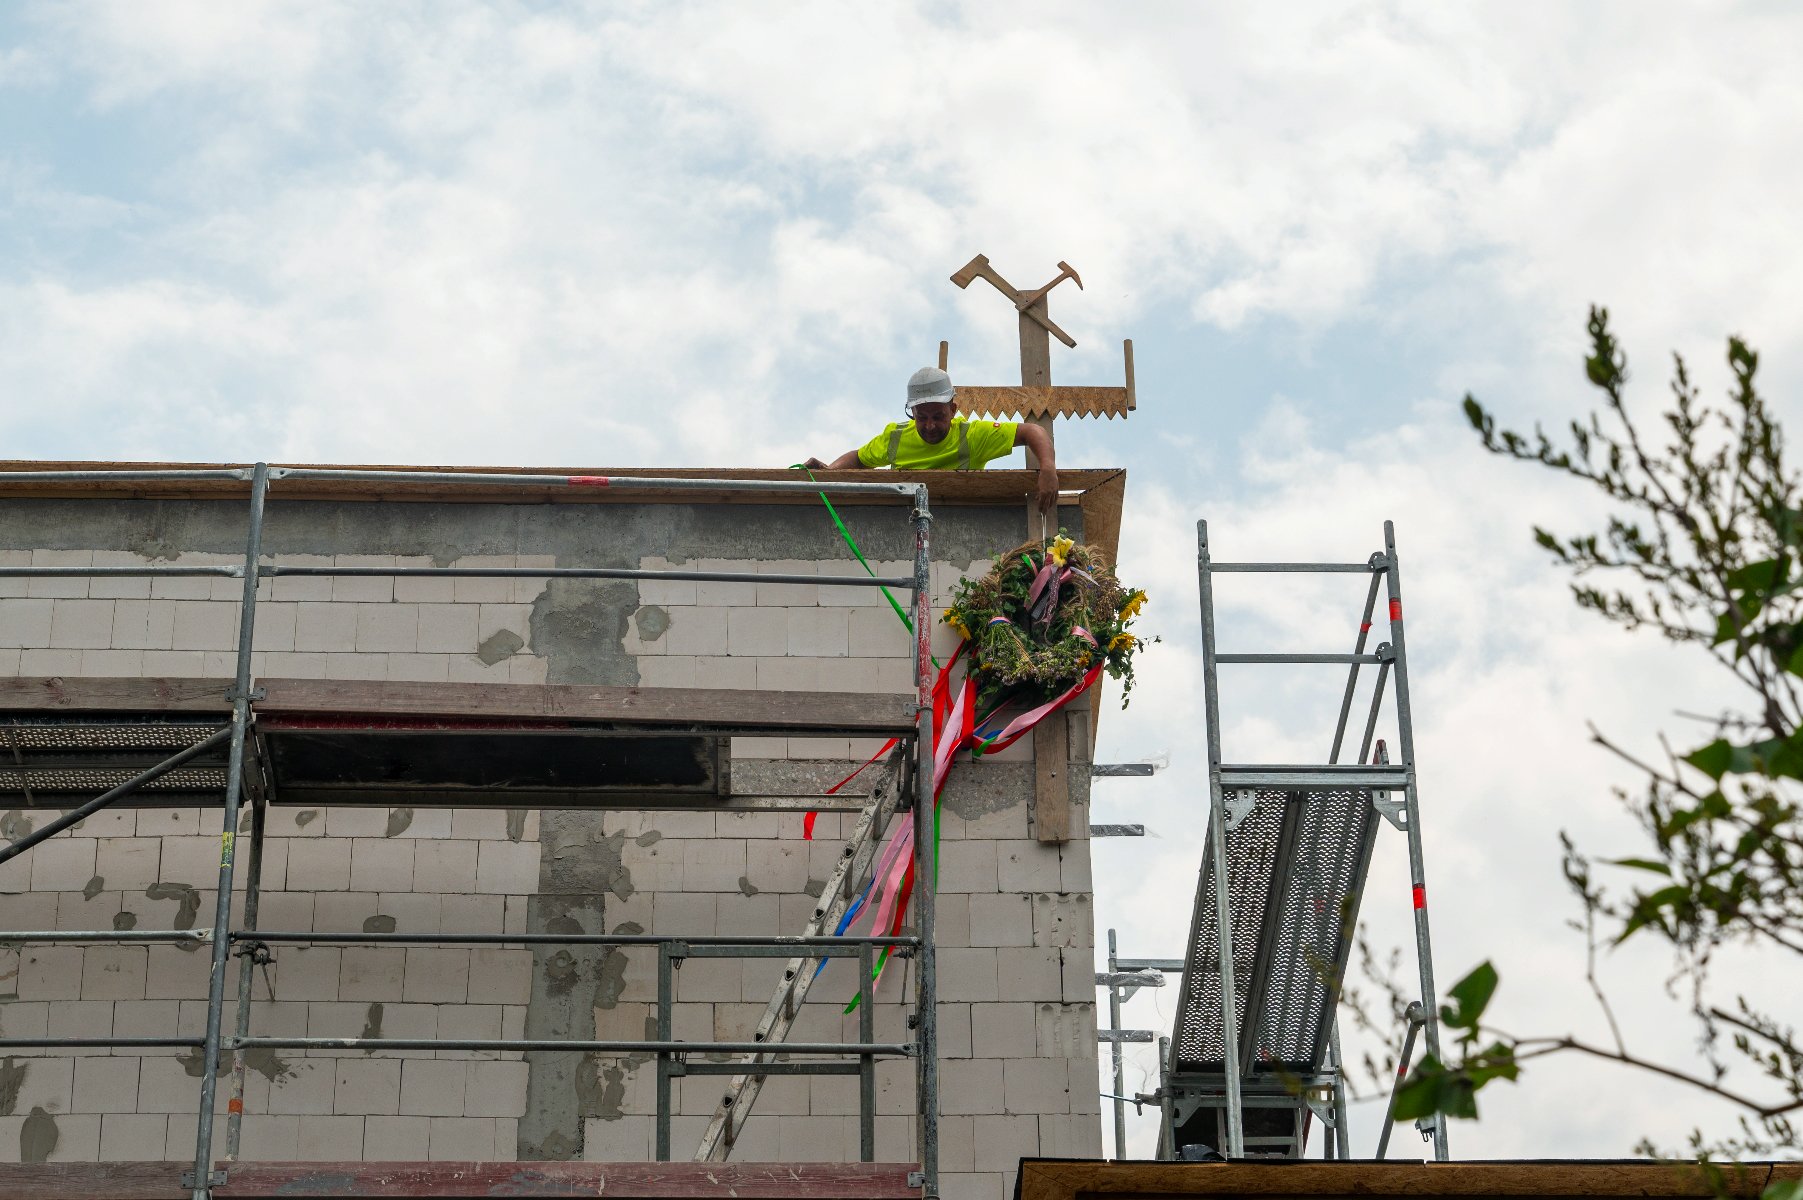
x=1247, y=776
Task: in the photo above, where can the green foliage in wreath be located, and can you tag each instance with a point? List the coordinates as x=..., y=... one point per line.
x=1041, y=617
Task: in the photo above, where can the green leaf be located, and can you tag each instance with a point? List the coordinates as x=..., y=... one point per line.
x=1642, y=864
x=1712, y=760
x=1785, y=1189
x=1471, y=995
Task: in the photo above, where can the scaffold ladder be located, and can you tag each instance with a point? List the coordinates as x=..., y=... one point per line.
x=854, y=863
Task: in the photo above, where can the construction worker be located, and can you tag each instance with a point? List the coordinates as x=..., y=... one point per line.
x=938, y=439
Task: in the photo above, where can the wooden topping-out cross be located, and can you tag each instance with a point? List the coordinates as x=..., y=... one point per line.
x=1036, y=400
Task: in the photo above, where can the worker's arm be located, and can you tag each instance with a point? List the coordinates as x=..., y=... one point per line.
x=1040, y=443
x=844, y=462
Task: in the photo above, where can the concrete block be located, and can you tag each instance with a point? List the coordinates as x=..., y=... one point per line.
x=319, y=865
x=969, y=974
x=1064, y=1030
x=755, y=632
x=132, y=1137
x=448, y=628
x=432, y=1087
x=330, y=1139
x=424, y=589
x=437, y=975
x=356, y=666
x=1004, y=1030
x=1085, y=1075
x=75, y=910
x=270, y=1138
x=786, y=595
x=500, y=975
x=363, y=589
x=63, y=864
x=419, y=668
x=696, y=631
x=307, y=972
x=1031, y=973
x=127, y=863
x=182, y=1128
x=618, y=1139
x=105, y=1085
x=445, y=866
x=818, y=632
x=22, y=1019
x=1070, y=1137
x=78, y=1139
x=205, y=625
x=454, y=1139
x=287, y=910
x=480, y=589
x=50, y=972
x=273, y=629
x=1002, y=919
x=301, y=587
x=749, y=915
x=145, y=1018
x=79, y=624
x=381, y=864
x=413, y=912
x=356, y=822
x=1027, y=866
x=325, y=627
x=143, y=624
x=507, y=868
x=367, y=1087
x=970, y=1186
x=876, y=633
x=725, y=593
x=113, y=973
x=193, y=860
x=50, y=662
x=1074, y=873
x=474, y=914
x=420, y=823
x=343, y=910
x=372, y=972
x=174, y=973
x=776, y=865
x=116, y=664
x=691, y=913
x=9, y=662
x=788, y=674
x=468, y=1022
x=846, y=596
x=496, y=1089
x=968, y=866
x=1035, y=1085
x=306, y=1087
x=387, y=628
x=1002, y=1141
x=1062, y=920
x=496, y=616
x=396, y=1139
x=972, y=1086
x=714, y=865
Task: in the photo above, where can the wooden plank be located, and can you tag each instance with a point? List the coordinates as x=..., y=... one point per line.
x=1051, y=779
x=1102, y=527
x=617, y=1181
x=1065, y=1180
x=838, y=711
x=999, y=486
x=77, y=693
x=93, y=1181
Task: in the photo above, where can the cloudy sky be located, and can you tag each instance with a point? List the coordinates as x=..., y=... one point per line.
x=719, y=234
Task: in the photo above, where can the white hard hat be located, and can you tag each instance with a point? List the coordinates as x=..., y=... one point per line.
x=929, y=385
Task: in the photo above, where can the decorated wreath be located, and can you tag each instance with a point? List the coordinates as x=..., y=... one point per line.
x=1042, y=618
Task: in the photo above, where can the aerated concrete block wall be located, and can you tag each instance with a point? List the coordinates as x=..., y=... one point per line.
x=1016, y=1017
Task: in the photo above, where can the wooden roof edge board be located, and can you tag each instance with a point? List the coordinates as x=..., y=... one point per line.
x=836, y=711
x=1000, y=486
x=368, y=1180
x=1061, y=401
x=1064, y=1179
x=79, y=693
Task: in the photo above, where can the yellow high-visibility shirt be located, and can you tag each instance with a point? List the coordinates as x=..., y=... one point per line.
x=968, y=445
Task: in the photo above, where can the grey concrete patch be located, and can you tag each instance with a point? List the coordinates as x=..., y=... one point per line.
x=651, y=837
x=399, y=821
x=372, y=1023
x=14, y=825
x=516, y=824
x=652, y=622
x=93, y=887
x=380, y=923
x=12, y=1078
x=746, y=887
x=814, y=887
x=187, y=898
x=194, y=1062
x=306, y=817
x=265, y=1062
x=610, y=1103
x=124, y=920
x=500, y=646
x=38, y=1137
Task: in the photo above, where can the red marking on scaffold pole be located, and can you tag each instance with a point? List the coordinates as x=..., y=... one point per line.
x=235, y=1107
x=1420, y=897
x=589, y=481
x=1364, y=627
x=1396, y=610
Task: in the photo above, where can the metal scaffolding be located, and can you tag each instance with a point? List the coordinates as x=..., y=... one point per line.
x=1255, y=1039
x=191, y=772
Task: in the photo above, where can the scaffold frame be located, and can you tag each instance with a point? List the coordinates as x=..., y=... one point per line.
x=672, y=1055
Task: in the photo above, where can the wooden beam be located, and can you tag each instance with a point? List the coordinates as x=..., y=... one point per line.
x=1000, y=486
x=1045, y=401
x=851, y=712
x=1064, y=1180
x=373, y=1180
x=1051, y=779
x=75, y=693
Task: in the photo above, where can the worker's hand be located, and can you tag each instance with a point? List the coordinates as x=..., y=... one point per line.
x=814, y=464
x=1048, y=491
